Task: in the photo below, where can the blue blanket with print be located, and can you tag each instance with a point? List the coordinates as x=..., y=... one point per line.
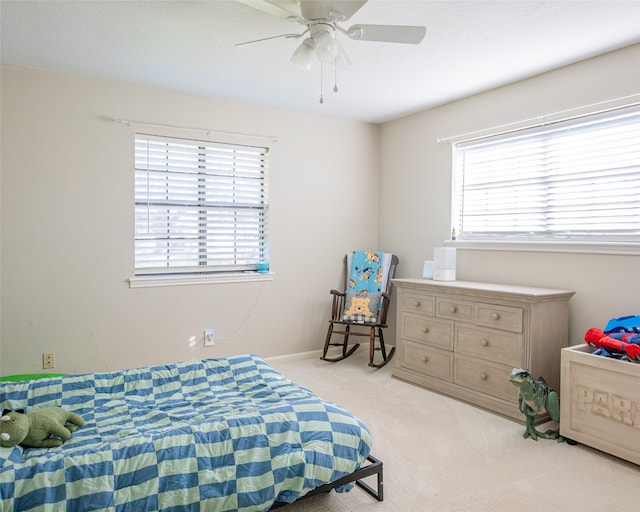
x=365, y=272
x=217, y=434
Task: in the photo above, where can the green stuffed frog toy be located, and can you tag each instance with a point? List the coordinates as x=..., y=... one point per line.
x=44, y=428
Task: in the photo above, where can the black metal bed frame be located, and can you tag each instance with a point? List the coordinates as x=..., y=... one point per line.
x=375, y=468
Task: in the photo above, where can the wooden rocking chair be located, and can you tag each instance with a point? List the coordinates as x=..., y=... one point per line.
x=346, y=310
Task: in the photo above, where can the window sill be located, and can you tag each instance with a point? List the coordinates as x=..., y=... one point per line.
x=620, y=248
x=181, y=280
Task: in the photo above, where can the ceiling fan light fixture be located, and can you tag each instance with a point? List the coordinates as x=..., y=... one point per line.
x=326, y=47
x=303, y=56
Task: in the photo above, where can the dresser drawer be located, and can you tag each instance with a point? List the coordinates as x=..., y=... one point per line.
x=419, y=304
x=489, y=344
x=500, y=317
x=428, y=360
x=428, y=330
x=455, y=310
x=484, y=377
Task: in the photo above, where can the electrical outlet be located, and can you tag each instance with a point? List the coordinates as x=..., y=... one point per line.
x=48, y=360
x=209, y=338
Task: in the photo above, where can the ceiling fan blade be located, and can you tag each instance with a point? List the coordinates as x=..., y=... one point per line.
x=289, y=36
x=388, y=33
x=271, y=7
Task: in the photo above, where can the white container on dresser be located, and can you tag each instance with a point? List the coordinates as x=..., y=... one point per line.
x=463, y=338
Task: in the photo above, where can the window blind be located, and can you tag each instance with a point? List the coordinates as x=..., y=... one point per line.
x=578, y=179
x=199, y=206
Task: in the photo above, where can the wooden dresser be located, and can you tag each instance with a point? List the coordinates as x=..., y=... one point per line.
x=463, y=338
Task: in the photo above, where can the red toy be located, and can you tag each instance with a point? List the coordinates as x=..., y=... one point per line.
x=597, y=338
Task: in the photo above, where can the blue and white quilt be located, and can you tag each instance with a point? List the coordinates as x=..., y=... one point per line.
x=211, y=435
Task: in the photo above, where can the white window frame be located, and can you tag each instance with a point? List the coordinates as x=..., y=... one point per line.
x=625, y=239
x=201, y=211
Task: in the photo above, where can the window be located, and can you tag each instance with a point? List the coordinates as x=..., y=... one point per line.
x=574, y=180
x=200, y=207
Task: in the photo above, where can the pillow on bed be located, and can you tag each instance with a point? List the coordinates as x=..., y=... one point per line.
x=362, y=307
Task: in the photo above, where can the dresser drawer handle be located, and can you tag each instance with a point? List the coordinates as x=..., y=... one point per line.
x=495, y=316
x=425, y=359
x=416, y=304
x=483, y=376
x=454, y=309
x=485, y=343
x=425, y=330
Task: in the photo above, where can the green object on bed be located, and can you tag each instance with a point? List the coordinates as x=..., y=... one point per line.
x=30, y=376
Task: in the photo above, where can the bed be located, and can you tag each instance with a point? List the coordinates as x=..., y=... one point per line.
x=211, y=435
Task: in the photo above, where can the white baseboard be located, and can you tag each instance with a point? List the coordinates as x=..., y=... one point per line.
x=312, y=354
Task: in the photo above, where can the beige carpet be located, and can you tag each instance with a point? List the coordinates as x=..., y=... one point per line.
x=441, y=454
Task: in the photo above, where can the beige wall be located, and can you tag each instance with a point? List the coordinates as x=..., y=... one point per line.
x=416, y=180
x=67, y=228
x=67, y=218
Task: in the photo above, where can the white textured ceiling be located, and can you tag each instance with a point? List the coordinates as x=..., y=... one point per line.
x=189, y=46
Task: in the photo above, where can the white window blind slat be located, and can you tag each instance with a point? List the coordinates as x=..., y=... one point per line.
x=578, y=179
x=200, y=206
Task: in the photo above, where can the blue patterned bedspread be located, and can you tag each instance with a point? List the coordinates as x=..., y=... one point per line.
x=212, y=435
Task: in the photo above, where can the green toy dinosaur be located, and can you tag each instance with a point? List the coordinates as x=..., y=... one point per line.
x=535, y=398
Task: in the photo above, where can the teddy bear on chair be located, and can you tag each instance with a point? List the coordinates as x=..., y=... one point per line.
x=45, y=428
x=359, y=306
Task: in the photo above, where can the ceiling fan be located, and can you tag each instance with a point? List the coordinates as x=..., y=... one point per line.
x=321, y=20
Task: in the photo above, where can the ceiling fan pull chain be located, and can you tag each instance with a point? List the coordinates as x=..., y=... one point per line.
x=321, y=68
x=335, y=75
